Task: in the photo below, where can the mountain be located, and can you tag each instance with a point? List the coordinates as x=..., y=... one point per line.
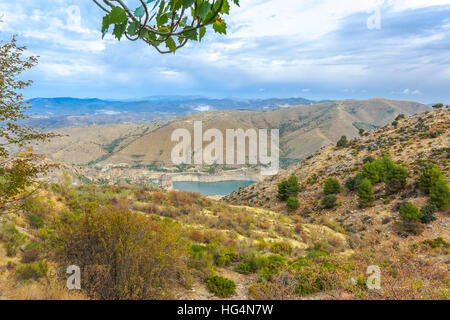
x=67, y=112
x=303, y=130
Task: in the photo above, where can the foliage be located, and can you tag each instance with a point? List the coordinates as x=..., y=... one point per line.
x=12, y=238
x=332, y=186
x=430, y=175
x=329, y=201
x=34, y=270
x=293, y=203
x=428, y=212
x=221, y=287
x=440, y=193
x=172, y=23
x=288, y=188
x=343, y=141
x=19, y=165
x=365, y=193
x=409, y=212
x=397, y=179
x=123, y=255
x=438, y=106
x=353, y=183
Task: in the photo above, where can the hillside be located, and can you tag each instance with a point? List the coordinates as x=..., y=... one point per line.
x=248, y=246
x=303, y=130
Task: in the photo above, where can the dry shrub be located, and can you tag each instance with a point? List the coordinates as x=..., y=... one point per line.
x=122, y=255
x=196, y=235
x=47, y=291
x=157, y=197
x=179, y=198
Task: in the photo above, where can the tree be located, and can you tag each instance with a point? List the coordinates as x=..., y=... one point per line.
x=332, y=186
x=172, y=22
x=353, y=183
x=292, y=203
x=397, y=179
x=430, y=175
x=409, y=212
x=438, y=106
x=329, y=201
x=19, y=165
x=288, y=188
x=365, y=193
x=440, y=193
x=361, y=131
x=342, y=142
x=428, y=212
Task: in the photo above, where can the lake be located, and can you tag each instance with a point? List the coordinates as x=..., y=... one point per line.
x=221, y=188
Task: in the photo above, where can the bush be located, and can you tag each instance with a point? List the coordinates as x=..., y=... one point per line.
x=34, y=270
x=428, y=212
x=122, y=255
x=244, y=268
x=429, y=177
x=288, y=188
x=409, y=212
x=438, y=106
x=332, y=186
x=221, y=287
x=282, y=248
x=12, y=239
x=365, y=193
x=293, y=203
x=400, y=117
x=353, y=183
x=36, y=221
x=440, y=193
x=329, y=201
x=342, y=142
x=397, y=179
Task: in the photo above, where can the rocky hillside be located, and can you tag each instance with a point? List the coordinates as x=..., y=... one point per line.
x=303, y=130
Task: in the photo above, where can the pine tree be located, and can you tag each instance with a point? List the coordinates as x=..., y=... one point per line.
x=429, y=176
x=332, y=186
x=365, y=194
x=440, y=193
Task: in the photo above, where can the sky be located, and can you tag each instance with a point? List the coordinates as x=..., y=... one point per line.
x=316, y=49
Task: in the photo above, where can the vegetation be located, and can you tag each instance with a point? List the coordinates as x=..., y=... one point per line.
x=172, y=23
x=343, y=141
x=409, y=212
x=288, y=188
x=221, y=287
x=430, y=175
x=329, y=201
x=440, y=193
x=365, y=193
x=428, y=212
x=331, y=186
x=292, y=203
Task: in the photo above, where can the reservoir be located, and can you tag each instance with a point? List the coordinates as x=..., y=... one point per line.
x=221, y=188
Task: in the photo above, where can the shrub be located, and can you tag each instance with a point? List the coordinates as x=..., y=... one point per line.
x=329, y=201
x=353, y=183
x=397, y=179
x=440, y=193
x=34, y=270
x=282, y=248
x=438, y=106
x=437, y=243
x=428, y=212
x=12, y=238
x=30, y=255
x=400, y=117
x=244, y=268
x=123, y=255
x=288, y=188
x=368, y=158
x=342, y=142
x=429, y=177
x=36, y=221
x=365, y=193
x=293, y=203
x=221, y=287
x=409, y=212
x=332, y=186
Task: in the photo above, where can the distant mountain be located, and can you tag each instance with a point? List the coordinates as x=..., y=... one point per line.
x=303, y=130
x=64, y=112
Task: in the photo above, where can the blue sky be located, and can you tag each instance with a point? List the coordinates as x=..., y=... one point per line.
x=317, y=49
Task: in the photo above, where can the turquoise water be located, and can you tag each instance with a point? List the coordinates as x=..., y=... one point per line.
x=221, y=188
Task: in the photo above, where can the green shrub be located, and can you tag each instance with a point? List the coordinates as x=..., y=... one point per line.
x=438, y=105
x=430, y=175
x=282, y=248
x=437, y=243
x=343, y=141
x=288, y=188
x=34, y=270
x=36, y=221
x=428, y=212
x=440, y=193
x=221, y=287
x=244, y=268
x=293, y=203
x=332, y=186
x=353, y=183
x=409, y=212
x=329, y=201
x=365, y=194
x=397, y=179
x=12, y=238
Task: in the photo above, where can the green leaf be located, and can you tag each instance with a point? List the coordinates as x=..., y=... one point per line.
x=105, y=24
x=162, y=19
x=202, y=33
x=225, y=7
x=204, y=9
x=139, y=12
x=170, y=43
x=117, y=16
x=133, y=28
x=220, y=26
x=119, y=30
x=187, y=3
